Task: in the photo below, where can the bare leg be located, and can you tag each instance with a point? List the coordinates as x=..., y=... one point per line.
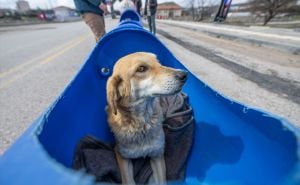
x=159, y=170
x=96, y=24
x=126, y=169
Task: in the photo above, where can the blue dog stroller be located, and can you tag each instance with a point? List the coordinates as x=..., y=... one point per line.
x=233, y=144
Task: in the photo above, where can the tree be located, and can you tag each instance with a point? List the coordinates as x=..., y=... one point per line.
x=201, y=5
x=198, y=8
x=191, y=5
x=269, y=8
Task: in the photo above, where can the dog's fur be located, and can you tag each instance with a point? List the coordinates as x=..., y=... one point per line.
x=134, y=112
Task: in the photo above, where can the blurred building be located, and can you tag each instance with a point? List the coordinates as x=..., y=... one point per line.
x=22, y=6
x=64, y=13
x=168, y=10
x=6, y=12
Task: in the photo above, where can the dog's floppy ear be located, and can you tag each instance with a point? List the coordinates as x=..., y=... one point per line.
x=124, y=92
x=113, y=95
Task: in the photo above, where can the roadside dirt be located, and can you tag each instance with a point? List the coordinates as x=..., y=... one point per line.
x=258, y=76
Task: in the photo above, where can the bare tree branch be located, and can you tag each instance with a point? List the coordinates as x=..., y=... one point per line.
x=269, y=8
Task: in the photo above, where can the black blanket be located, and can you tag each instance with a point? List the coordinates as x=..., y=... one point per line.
x=99, y=159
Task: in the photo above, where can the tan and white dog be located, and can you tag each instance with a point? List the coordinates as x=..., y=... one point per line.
x=134, y=112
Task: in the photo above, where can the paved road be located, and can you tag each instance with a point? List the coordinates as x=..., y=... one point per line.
x=38, y=61
x=266, y=76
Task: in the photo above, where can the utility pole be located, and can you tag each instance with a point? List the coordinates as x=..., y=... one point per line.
x=223, y=10
x=218, y=17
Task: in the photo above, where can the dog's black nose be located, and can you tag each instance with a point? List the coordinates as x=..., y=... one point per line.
x=181, y=75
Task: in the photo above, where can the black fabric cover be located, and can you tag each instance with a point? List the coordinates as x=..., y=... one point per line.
x=98, y=158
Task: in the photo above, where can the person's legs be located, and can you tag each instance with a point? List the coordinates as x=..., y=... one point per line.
x=96, y=24
x=138, y=9
x=150, y=23
x=153, y=24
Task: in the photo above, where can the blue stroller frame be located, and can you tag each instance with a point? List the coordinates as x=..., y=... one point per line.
x=233, y=144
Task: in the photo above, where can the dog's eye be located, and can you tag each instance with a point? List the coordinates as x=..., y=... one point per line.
x=142, y=69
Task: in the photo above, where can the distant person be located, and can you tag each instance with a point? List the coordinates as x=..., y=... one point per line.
x=150, y=11
x=93, y=12
x=138, y=6
x=127, y=5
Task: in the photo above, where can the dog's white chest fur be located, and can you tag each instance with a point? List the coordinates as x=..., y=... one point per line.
x=144, y=135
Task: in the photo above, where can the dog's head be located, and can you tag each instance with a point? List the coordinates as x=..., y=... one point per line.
x=140, y=75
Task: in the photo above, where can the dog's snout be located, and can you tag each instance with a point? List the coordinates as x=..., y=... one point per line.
x=181, y=75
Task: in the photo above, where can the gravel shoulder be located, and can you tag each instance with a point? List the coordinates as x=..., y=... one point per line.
x=257, y=76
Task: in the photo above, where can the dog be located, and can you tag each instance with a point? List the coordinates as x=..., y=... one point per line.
x=134, y=112
x=126, y=5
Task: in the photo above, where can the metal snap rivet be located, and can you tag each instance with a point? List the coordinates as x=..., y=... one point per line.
x=105, y=71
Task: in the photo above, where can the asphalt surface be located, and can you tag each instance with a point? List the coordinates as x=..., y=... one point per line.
x=38, y=61
x=263, y=77
x=284, y=87
x=36, y=64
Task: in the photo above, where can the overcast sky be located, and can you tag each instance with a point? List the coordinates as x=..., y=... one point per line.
x=70, y=3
